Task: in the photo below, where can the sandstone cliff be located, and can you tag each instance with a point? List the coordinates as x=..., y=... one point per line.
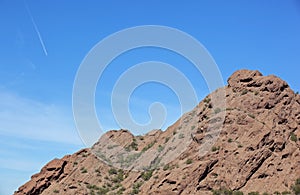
x=257, y=148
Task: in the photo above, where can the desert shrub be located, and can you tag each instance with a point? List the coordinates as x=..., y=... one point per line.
x=111, y=146
x=238, y=193
x=166, y=167
x=193, y=127
x=102, y=190
x=56, y=191
x=193, y=113
x=297, y=182
x=225, y=191
x=147, y=175
x=189, y=161
x=112, y=171
x=217, y=110
x=296, y=187
x=132, y=146
x=121, y=190
x=245, y=91
x=207, y=100
x=136, y=188
x=83, y=170
x=131, y=157
x=180, y=136
x=116, y=186
x=229, y=140
x=94, y=187
x=293, y=137
x=148, y=147
x=97, y=170
x=115, y=180
x=135, y=191
x=167, y=139
x=229, y=109
x=253, y=193
x=215, y=148
x=160, y=148
x=120, y=175
x=251, y=115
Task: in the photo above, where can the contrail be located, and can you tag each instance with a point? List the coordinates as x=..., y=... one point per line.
x=36, y=29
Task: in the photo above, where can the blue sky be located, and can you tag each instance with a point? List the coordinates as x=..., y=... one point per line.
x=44, y=42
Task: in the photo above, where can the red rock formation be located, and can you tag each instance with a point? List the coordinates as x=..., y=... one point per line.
x=258, y=149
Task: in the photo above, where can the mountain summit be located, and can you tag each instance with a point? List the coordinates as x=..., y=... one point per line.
x=248, y=144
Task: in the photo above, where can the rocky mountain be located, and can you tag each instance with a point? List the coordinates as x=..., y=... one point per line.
x=247, y=143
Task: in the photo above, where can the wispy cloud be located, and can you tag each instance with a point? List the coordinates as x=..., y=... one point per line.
x=36, y=29
x=17, y=164
x=32, y=133
x=25, y=118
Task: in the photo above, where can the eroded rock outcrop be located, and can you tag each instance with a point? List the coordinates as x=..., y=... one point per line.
x=257, y=148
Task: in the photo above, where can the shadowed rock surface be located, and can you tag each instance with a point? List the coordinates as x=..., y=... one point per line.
x=257, y=149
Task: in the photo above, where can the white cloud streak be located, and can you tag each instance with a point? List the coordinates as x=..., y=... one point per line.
x=36, y=29
x=25, y=118
x=19, y=165
x=32, y=133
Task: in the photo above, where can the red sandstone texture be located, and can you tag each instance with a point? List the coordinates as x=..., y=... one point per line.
x=257, y=149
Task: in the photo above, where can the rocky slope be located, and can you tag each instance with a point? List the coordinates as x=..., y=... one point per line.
x=249, y=143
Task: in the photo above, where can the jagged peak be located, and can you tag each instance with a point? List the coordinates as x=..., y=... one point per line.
x=254, y=80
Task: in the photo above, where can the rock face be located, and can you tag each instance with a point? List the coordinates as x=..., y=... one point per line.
x=257, y=149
